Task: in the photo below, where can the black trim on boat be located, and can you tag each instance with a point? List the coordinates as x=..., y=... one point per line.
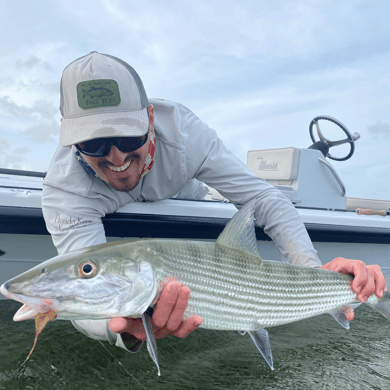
x=23, y=220
x=343, y=233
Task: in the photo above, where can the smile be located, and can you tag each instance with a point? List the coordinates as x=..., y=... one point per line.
x=122, y=168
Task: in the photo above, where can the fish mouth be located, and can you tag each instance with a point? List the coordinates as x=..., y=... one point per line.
x=31, y=306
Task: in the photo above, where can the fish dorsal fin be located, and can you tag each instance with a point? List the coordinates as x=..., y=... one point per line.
x=239, y=233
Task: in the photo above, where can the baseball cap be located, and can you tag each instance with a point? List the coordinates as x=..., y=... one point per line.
x=101, y=96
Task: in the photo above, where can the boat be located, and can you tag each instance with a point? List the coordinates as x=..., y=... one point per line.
x=353, y=228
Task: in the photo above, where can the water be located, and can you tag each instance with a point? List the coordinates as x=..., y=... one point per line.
x=311, y=354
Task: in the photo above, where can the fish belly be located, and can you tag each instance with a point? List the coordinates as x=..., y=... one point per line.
x=232, y=290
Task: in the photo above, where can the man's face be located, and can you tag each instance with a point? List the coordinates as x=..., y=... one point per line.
x=122, y=171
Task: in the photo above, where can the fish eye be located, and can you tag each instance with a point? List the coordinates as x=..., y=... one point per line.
x=87, y=269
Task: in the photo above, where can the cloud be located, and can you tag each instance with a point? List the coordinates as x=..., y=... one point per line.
x=380, y=128
x=4, y=146
x=42, y=114
x=34, y=62
x=42, y=132
x=11, y=107
x=13, y=158
x=41, y=108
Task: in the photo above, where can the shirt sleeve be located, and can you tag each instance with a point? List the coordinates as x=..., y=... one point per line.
x=100, y=330
x=74, y=222
x=218, y=167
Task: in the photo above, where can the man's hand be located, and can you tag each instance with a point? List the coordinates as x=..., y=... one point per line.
x=167, y=318
x=368, y=279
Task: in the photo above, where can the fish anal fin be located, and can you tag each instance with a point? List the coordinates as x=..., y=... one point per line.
x=261, y=340
x=239, y=233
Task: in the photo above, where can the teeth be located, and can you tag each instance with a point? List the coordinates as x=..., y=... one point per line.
x=120, y=169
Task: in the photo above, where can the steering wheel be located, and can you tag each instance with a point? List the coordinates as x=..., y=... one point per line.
x=351, y=138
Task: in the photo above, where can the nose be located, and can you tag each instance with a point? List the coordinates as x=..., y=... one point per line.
x=116, y=157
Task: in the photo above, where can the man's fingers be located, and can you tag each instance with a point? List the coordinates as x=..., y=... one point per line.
x=359, y=270
x=376, y=283
x=348, y=312
x=368, y=289
x=188, y=326
x=165, y=304
x=118, y=324
x=167, y=318
x=140, y=335
x=380, y=281
x=163, y=332
x=185, y=328
x=136, y=328
x=176, y=316
x=353, y=267
x=127, y=325
x=367, y=279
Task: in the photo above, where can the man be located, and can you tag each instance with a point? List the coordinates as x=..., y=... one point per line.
x=118, y=147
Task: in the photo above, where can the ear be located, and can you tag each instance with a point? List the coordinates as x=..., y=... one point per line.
x=151, y=113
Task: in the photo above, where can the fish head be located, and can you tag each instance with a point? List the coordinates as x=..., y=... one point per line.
x=100, y=282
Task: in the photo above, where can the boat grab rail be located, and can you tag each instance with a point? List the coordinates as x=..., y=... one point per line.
x=18, y=172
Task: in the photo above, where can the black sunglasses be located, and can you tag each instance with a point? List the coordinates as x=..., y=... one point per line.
x=100, y=147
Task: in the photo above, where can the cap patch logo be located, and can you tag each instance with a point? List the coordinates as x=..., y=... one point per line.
x=98, y=93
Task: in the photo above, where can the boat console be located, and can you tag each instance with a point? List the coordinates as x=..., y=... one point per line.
x=305, y=176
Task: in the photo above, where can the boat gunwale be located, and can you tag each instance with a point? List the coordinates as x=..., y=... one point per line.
x=28, y=220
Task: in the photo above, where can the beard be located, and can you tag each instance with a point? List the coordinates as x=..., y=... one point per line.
x=122, y=182
x=124, y=185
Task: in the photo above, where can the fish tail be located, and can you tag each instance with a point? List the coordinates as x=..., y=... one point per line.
x=383, y=305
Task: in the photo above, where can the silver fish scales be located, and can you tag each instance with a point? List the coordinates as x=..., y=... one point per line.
x=236, y=291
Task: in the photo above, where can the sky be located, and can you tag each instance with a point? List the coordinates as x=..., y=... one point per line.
x=256, y=71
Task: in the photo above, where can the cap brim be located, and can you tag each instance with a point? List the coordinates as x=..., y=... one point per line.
x=115, y=124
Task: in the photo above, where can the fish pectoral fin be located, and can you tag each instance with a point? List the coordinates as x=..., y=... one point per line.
x=150, y=339
x=261, y=340
x=339, y=315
